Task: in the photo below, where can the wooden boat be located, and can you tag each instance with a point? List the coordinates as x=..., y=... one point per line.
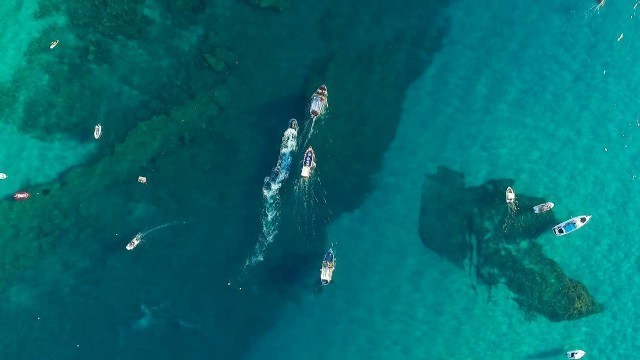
x=97, y=131
x=571, y=225
x=22, y=195
x=510, y=195
x=134, y=242
x=538, y=209
x=308, y=163
x=319, y=102
x=328, y=265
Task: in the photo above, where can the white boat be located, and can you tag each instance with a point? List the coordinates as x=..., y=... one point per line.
x=571, y=225
x=134, y=242
x=319, y=102
x=575, y=354
x=308, y=162
x=97, y=131
x=510, y=195
x=3, y=176
x=328, y=265
x=538, y=209
x=53, y=44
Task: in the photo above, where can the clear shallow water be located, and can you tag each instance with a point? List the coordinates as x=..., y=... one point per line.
x=517, y=92
x=510, y=91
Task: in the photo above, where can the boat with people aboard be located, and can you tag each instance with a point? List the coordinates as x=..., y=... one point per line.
x=308, y=163
x=538, y=209
x=571, y=225
x=510, y=195
x=328, y=265
x=576, y=354
x=97, y=131
x=319, y=102
x=21, y=195
x=134, y=242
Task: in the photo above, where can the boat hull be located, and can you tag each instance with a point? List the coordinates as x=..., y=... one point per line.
x=21, y=195
x=539, y=209
x=510, y=195
x=571, y=225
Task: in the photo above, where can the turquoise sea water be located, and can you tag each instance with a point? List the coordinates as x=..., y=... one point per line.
x=196, y=95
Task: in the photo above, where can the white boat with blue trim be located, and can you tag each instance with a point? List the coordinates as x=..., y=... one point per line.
x=328, y=265
x=571, y=225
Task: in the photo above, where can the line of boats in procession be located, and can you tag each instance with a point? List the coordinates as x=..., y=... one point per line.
x=318, y=107
x=564, y=228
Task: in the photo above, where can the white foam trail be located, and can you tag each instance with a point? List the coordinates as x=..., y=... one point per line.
x=270, y=190
x=162, y=227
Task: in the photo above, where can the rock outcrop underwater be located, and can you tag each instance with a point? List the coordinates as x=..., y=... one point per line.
x=474, y=227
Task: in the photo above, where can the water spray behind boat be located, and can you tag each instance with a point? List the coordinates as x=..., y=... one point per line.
x=270, y=191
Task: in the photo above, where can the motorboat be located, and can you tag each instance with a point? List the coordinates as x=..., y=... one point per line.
x=510, y=195
x=22, y=195
x=53, y=44
x=97, y=131
x=293, y=124
x=3, y=176
x=134, y=242
x=308, y=162
x=328, y=265
x=576, y=354
x=571, y=225
x=538, y=209
x=319, y=102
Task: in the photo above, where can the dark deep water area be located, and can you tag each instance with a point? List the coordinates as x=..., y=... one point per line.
x=195, y=95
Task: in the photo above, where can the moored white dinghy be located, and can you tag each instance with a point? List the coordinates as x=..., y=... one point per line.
x=328, y=265
x=543, y=207
x=510, y=195
x=53, y=44
x=571, y=225
x=576, y=354
x=97, y=131
x=3, y=176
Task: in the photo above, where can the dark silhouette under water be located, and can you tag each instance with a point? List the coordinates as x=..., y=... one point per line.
x=473, y=225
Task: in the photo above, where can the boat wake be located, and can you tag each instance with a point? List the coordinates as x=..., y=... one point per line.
x=311, y=206
x=270, y=191
x=143, y=234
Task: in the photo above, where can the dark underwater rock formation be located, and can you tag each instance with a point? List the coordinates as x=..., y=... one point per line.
x=473, y=226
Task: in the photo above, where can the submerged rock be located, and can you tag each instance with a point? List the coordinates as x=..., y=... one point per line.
x=473, y=226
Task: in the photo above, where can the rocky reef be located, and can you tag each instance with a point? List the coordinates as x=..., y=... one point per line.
x=473, y=227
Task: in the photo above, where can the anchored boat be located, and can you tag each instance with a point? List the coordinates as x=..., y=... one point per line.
x=319, y=102
x=328, y=265
x=538, y=209
x=571, y=225
x=575, y=354
x=53, y=44
x=3, y=176
x=22, y=195
x=308, y=163
x=97, y=131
